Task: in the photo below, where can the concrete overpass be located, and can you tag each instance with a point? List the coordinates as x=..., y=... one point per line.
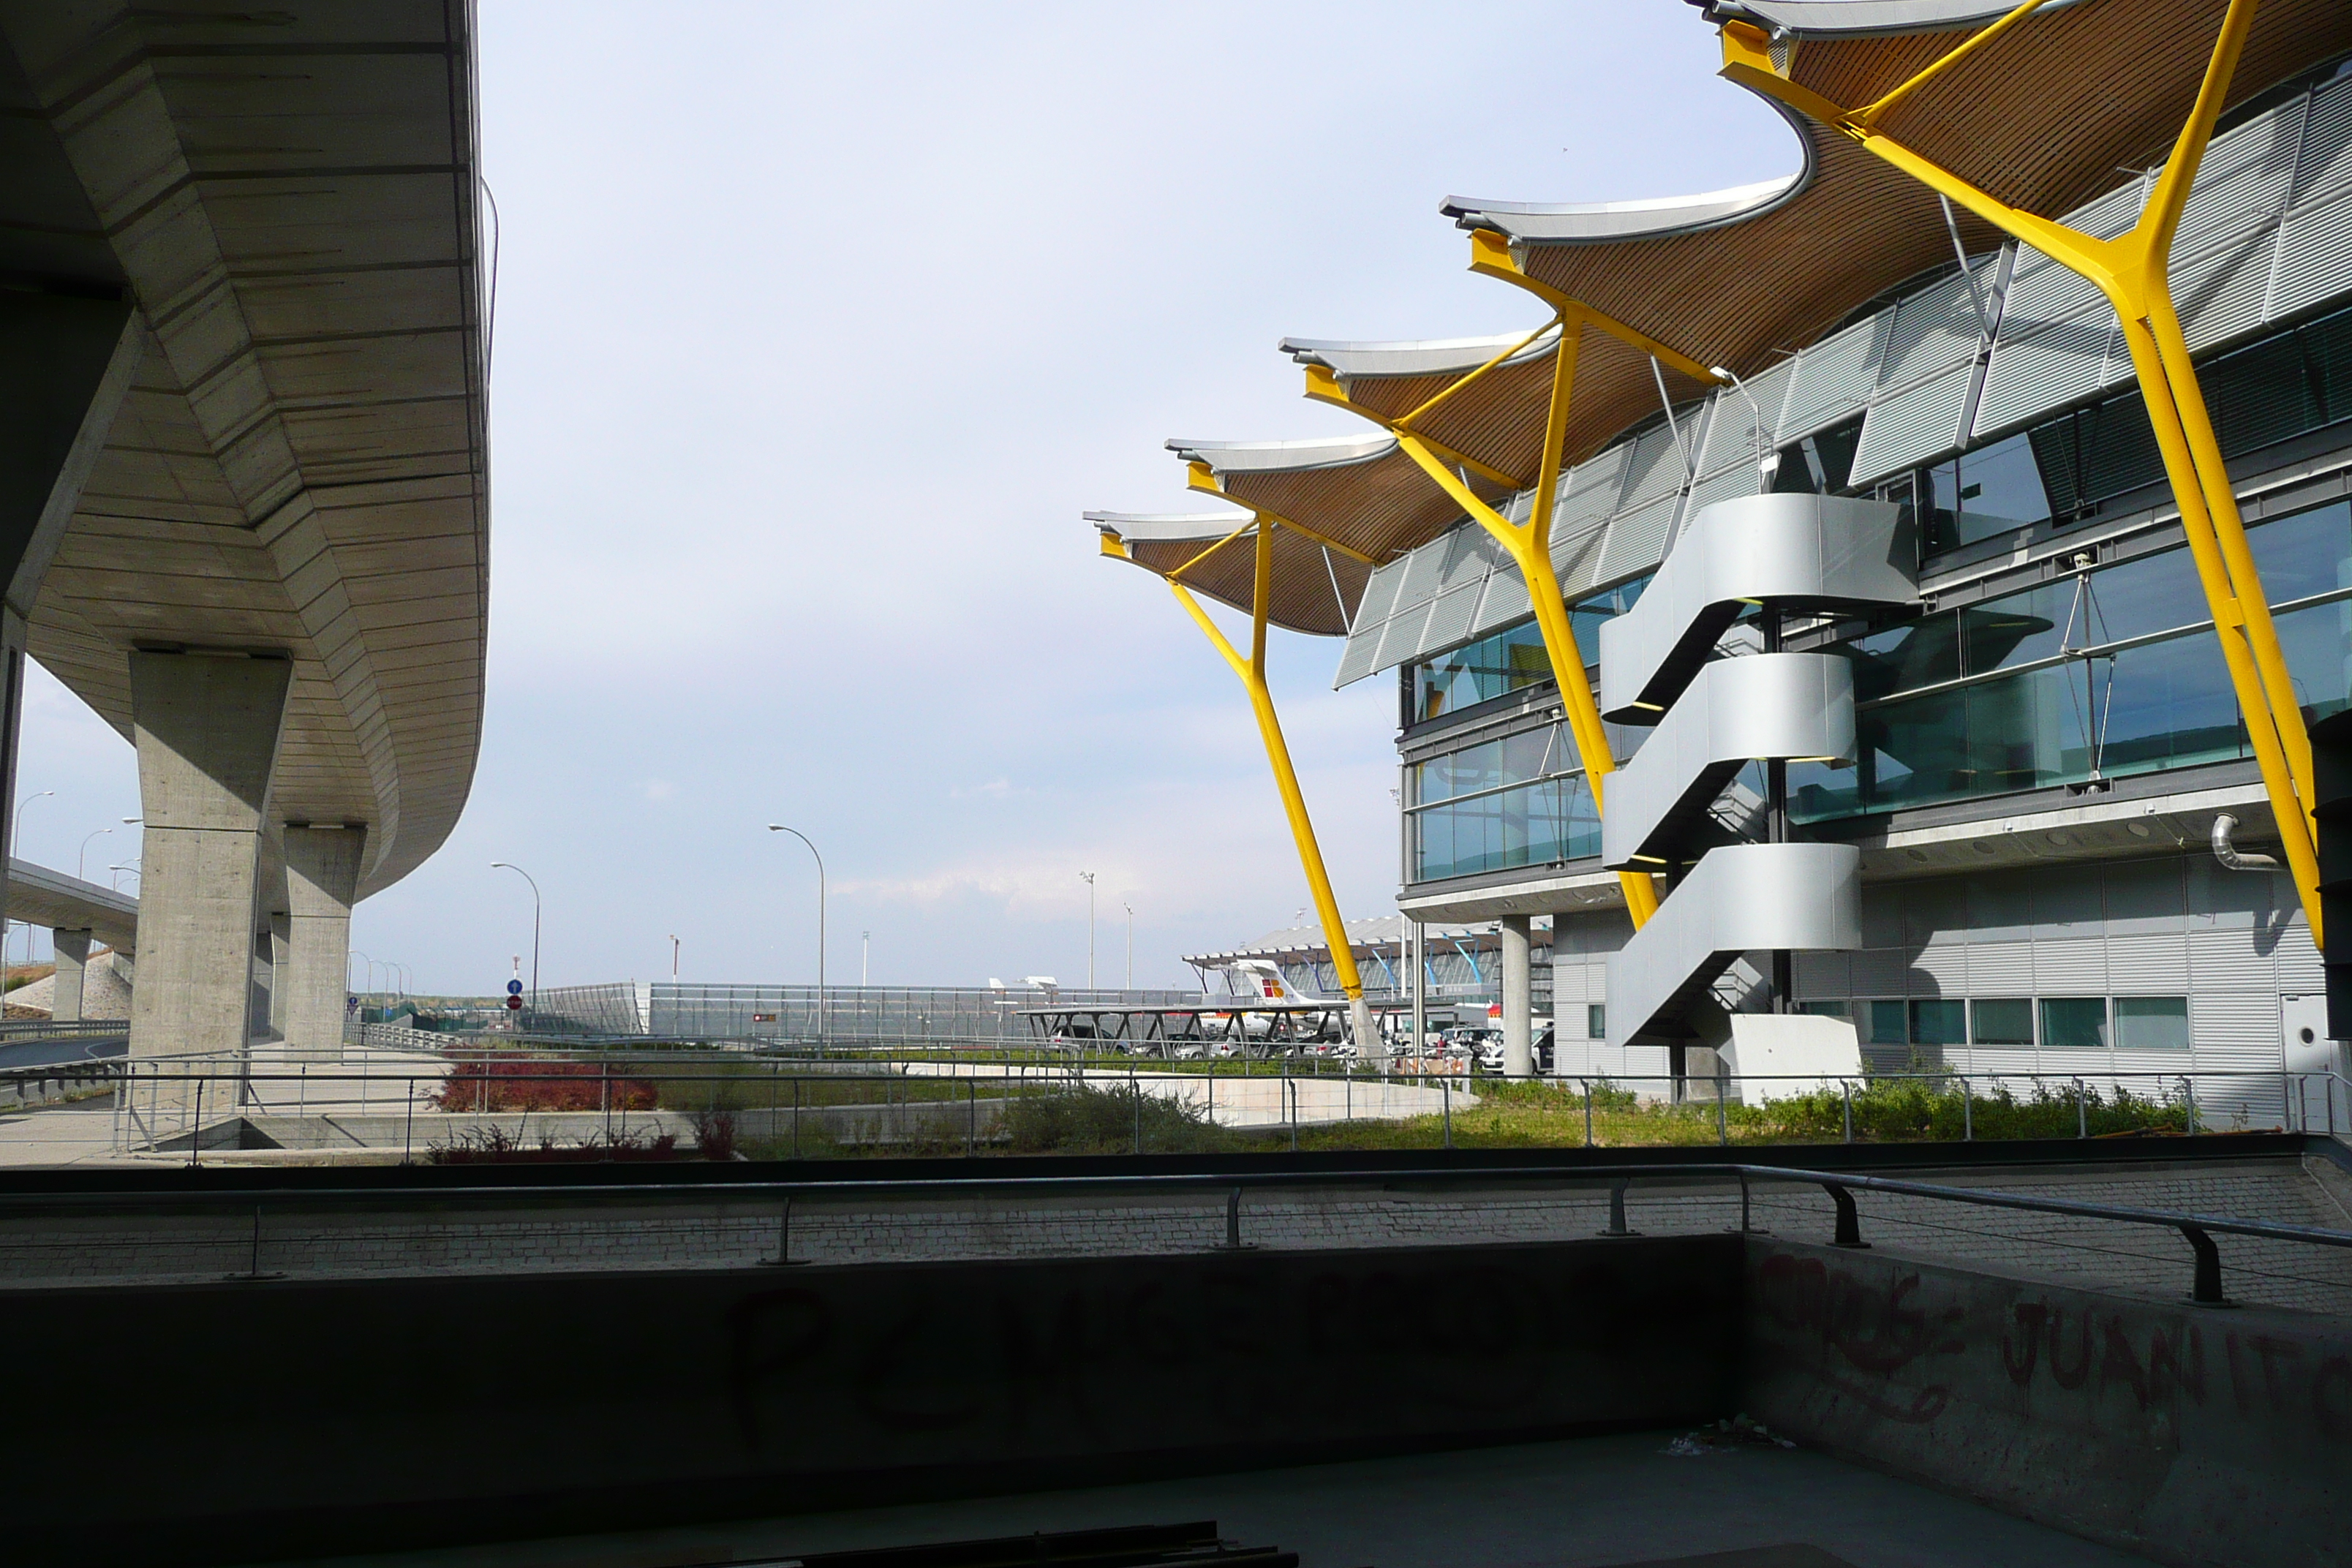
x=244, y=496
x=78, y=914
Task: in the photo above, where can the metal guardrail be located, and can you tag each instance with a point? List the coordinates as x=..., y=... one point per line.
x=2197, y=1230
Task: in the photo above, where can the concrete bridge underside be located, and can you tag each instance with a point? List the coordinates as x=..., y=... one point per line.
x=244, y=503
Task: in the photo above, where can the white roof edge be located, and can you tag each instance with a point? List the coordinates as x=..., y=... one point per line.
x=1866, y=18
x=1281, y=457
x=1168, y=527
x=1425, y=357
x=1594, y=223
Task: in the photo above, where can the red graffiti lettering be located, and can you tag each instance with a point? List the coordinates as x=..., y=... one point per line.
x=2028, y=1322
x=2275, y=1353
x=2119, y=1363
x=2069, y=1376
x=2168, y=1365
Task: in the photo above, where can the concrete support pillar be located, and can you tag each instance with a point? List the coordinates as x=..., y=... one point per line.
x=206, y=727
x=72, y=950
x=1518, y=998
x=281, y=926
x=322, y=873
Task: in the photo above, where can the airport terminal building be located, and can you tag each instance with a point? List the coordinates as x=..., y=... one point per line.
x=2066, y=858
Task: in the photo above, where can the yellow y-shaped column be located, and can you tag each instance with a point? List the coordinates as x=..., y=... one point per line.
x=1252, y=671
x=2131, y=271
x=1529, y=544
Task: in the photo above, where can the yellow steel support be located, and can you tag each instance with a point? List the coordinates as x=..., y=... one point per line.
x=1252, y=671
x=1530, y=542
x=2132, y=271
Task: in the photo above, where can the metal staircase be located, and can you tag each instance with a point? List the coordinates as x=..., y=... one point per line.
x=1662, y=664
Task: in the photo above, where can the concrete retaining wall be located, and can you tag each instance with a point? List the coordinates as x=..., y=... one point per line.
x=341, y=1416
x=2189, y=1435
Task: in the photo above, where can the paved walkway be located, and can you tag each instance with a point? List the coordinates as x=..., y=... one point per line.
x=1253, y=1101
x=1579, y=1504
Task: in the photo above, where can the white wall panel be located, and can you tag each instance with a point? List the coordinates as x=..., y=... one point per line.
x=2227, y=959
x=2071, y=966
x=2001, y=969
x=2147, y=965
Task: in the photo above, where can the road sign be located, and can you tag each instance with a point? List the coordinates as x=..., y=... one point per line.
x=514, y=987
x=514, y=1002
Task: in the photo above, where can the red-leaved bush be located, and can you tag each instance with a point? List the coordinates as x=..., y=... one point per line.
x=540, y=1084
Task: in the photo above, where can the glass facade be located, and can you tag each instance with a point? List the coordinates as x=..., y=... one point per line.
x=2099, y=675
x=1520, y=800
x=1512, y=660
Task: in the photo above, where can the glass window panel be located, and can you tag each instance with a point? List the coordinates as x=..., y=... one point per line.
x=2259, y=395
x=2318, y=641
x=2150, y=594
x=2119, y=448
x=1942, y=1022
x=2327, y=344
x=2017, y=628
x=2309, y=552
x=2003, y=1020
x=2152, y=1022
x=2163, y=705
x=1596, y=1020
x=2075, y=1023
x=2000, y=490
x=1918, y=653
x=1822, y=1009
x=1888, y=1025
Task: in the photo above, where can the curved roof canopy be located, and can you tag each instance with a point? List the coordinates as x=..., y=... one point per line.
x=2042, y=117
x=1316, y=590
x=1361, y=495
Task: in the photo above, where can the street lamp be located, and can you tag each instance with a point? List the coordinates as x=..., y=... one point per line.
x=509, y=866
x=673, y=956
x=1130, y=944
x=780, y=827
x=81, y=857
x=1089, y=877
x=117, y=869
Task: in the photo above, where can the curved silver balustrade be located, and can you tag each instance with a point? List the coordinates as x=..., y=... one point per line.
x=1800, y=553
x=1736, y=711
x=1714, y=716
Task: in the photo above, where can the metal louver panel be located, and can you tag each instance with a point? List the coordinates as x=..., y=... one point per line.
x=1732, y=428
x=1637, y=541
x=2242, y=180
x=1506, y=601
x=1467, y=555
x=2315, y=258
x=2041, y=292
x=1935, y=328
x=2220, y=294
x=1425, y=575
x=1740, y=479
x=1379, y=596
x=2063, y=362
x=1362, y=652
x=1402, y=641
x=1834, y=377
x=2325, y=161
x=1450, y=619
x=1655, y=466
x=1914, y=425
x=1576, y=559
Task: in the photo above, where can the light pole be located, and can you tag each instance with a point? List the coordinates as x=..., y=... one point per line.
x=865, y=949
x=673, y=956
x=368, y=984
x=780, y=827
x=509, y=866
x=1089, y=876
x=83, y=856
x=1130, y=944
x=16, y=838
x=118, y=870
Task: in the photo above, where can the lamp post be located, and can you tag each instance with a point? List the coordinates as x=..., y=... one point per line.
x=509, y=866
x=16, y=838
x=1089, y=877
x=673, y=956
x=119, y=870
x=1130, y=944
x=865, y=950
x=81, y=857
x=780, y=827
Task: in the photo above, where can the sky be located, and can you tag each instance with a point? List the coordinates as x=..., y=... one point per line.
x=817, y=328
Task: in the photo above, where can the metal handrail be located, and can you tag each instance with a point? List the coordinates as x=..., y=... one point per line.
x=2196, y=1229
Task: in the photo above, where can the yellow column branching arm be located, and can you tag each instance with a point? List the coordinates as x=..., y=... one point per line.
x=1252, y=671
x=2132, y=271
